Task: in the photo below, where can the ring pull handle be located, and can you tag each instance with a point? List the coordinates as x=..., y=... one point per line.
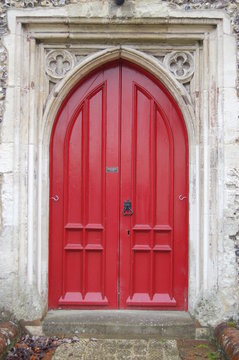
x=55, y=198
x=127, y=211
x=181, y=197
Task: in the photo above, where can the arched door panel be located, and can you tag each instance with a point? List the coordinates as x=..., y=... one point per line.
x=119, y=136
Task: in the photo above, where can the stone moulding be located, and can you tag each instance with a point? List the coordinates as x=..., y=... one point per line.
x=59, y=62
x=199, y=45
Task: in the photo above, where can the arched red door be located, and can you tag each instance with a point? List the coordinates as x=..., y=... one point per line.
x=118, y=144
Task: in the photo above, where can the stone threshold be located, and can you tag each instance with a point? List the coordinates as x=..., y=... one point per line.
x=121, y=324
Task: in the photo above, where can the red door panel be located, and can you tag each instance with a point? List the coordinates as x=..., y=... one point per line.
x=153, y=175
x=119, y=135
x=84, y=222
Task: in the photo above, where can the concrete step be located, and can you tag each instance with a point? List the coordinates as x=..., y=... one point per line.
x=119, y=324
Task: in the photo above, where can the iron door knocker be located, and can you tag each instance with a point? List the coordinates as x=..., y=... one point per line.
x=127, y=211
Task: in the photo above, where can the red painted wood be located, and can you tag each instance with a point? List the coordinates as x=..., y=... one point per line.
x=119, y=117
x=83, y=223
x=154, y=172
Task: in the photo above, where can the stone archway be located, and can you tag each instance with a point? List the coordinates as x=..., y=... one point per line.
x=84, y=235
x=138, y=58
x=32, y=103
x=119, y=52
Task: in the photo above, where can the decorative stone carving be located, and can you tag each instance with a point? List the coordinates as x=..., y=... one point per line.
x=58, y=63
x=79, y=58
x=160, y=58
x=180, y=64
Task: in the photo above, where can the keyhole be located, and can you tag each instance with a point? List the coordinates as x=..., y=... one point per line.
x=128, y=232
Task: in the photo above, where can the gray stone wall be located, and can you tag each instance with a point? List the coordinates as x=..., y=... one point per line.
x=231, y=7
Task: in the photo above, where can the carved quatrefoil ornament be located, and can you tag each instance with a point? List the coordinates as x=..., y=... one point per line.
x=180, y=64
x=58, y=63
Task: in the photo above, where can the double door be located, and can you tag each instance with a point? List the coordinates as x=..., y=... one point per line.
x=118, y=206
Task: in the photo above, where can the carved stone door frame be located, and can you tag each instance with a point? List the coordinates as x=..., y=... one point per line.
x=50, y=50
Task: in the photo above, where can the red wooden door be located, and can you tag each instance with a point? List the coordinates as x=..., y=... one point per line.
x=119, y=135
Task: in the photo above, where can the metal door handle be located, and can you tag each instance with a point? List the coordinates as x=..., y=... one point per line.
x=181, y=197
x=55, y=198
x=127, y=211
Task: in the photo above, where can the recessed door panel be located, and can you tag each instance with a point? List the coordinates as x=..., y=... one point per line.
x=118, y=140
